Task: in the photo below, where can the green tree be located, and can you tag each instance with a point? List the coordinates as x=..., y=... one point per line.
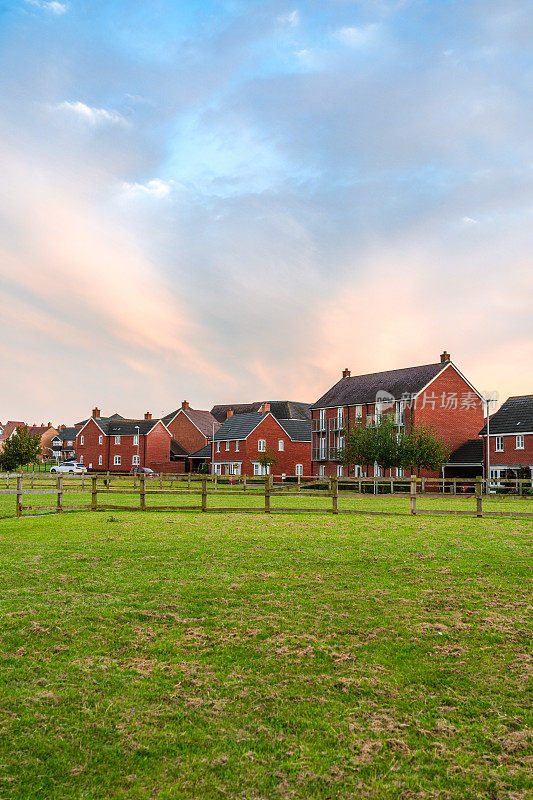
x=21, y=448
x=267, y=459
x=423, y=448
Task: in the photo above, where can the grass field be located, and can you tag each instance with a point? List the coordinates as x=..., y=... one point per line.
x=187, y=656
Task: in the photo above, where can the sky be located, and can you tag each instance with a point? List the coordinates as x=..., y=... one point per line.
x=231, y=200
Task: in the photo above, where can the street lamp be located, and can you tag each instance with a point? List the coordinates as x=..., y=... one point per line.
x=489, y=398
x=138, y=460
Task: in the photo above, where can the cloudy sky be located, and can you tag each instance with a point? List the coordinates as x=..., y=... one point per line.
x=231, y=200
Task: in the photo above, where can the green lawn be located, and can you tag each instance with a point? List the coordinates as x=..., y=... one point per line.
x=255, y=657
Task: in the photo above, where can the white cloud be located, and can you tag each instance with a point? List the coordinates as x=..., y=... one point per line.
x=292, y=18
x=357, y=37
x=154, y=188
x=54, y=6
x=469, y=221
x=93, y=116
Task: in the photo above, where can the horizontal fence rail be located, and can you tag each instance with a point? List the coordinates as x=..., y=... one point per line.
x=99, y=488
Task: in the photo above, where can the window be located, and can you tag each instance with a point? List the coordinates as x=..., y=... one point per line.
x=99, y=461
x=227, y=445
x=136, y=439
x=399, y=472
x=281, y=445
x=520, y=442
x=117, y=439
x=340, y=470
x=358, y=413
x=299, y=469
x=69, y=443
x=82, y=439
x=116, y=461
x=218, y=447
x=218, y=469
x=377, y=470
x=261, y=445
x=100, y=439
x=340, y=417
x=322, y=419
x=322, y=471
x=322, y=447
x=135, y=461
x=499, y=444
x=237, y=447
x=81, y=459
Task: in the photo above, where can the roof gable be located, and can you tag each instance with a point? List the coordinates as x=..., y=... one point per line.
x=514, y=416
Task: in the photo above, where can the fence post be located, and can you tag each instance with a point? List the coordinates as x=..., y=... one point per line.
x=335, y=495
x=244, y=484
x=59, y=494
x=455, y=485
x=32, y=477
x=142, y=492
x=189, y=481
x=82, y=481
x=204, y=494
x=94, y=493
x=479, y=499
x=19, y=497
x=267, y=494
x=413, y=494
x=7, y=481
x=299, y=484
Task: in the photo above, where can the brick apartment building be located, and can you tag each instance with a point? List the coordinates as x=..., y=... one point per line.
x=117, y=444
x=242, y=438
x=510, y=436
x=434, y=394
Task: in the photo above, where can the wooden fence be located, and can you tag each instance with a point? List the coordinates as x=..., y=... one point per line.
x=100, y=487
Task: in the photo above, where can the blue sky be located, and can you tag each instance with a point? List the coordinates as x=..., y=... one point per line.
x=222, y=201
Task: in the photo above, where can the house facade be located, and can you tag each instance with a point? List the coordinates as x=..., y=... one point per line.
x=434, y=394
x=116, y=444
x=509, y=444
x=191, y=429
x=242, y=438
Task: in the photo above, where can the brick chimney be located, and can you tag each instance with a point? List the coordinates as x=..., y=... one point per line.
x=49, y=424
x=96, y=412
x=346, y=373
x=444, y=357
x=147, y=415
x=229, y=413
x=185, y=405
x=265, y=408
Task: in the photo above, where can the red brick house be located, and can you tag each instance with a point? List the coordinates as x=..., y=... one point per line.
x=434, y=394
x=510, y=437
x=117, y=444
x=192, y=430
x=242, y=438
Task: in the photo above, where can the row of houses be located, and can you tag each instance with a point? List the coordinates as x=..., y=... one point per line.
x=305, y=438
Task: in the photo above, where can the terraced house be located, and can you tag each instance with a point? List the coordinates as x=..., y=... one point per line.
x=510, y=437
x=436, y=394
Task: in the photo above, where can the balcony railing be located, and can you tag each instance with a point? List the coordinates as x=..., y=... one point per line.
x=319, y=454
x=337, y=424
x=318, y=425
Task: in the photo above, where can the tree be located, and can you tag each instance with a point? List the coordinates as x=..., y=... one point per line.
x=266, y=459
x=423, y=448
x=21, y=448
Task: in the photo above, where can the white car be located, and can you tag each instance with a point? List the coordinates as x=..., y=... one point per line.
x=69, y=466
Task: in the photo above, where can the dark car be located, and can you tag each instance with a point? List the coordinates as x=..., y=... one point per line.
x=146, y=471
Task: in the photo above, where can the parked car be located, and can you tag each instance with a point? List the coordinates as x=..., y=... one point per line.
x=70, y=466
x=146, y=471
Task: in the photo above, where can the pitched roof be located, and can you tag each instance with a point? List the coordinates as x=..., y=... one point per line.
x=38, y=430
x=239, y=426
x=202, y=419
x=361, y=389
x=203, y=452
x=176, y=449
x=68, y=434
x=97, y=419
x=298, y=430
x=470, y=452
x=515, y=416
x=280, y=409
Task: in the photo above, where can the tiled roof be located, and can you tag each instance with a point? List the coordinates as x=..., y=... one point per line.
x=98, y=419
x=38, y=430
x=361, y=389
x=298, y=430
x=203, y=420
x=239, y=426
x=177, y=449
x=470, y=452
x=68, y=434
x=515, y=416
x=280, y=409
x=203, y=452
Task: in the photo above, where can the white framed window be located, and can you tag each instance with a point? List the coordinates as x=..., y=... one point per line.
x=69, y=443
x=117, y=439
x=81, y=459
x=135, y=461
x=322, y=471
x=299, y=469
x=322, y=419
x=82, y=439
x=340, y=417
x=237, y=446
x=281, y=444
x=261, y=445
x=377, y=470
x=136, y=439
x=227, y=445
x=100, y=439
x=358, y=413
x=218, y=469
x=340, y=471
x=499, y=444
x=399, y=472
x=99, y=461
x=520, y=441
x=116, y=461
x=257, y=469
x=322, y=447
x=218, y=447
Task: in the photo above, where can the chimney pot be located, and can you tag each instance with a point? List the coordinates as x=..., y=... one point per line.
x=148, y=415
x=346, y=373
x=96, y=412
x=229, y=413
x=265, y=408
x=444, y=357
x=185, y=405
